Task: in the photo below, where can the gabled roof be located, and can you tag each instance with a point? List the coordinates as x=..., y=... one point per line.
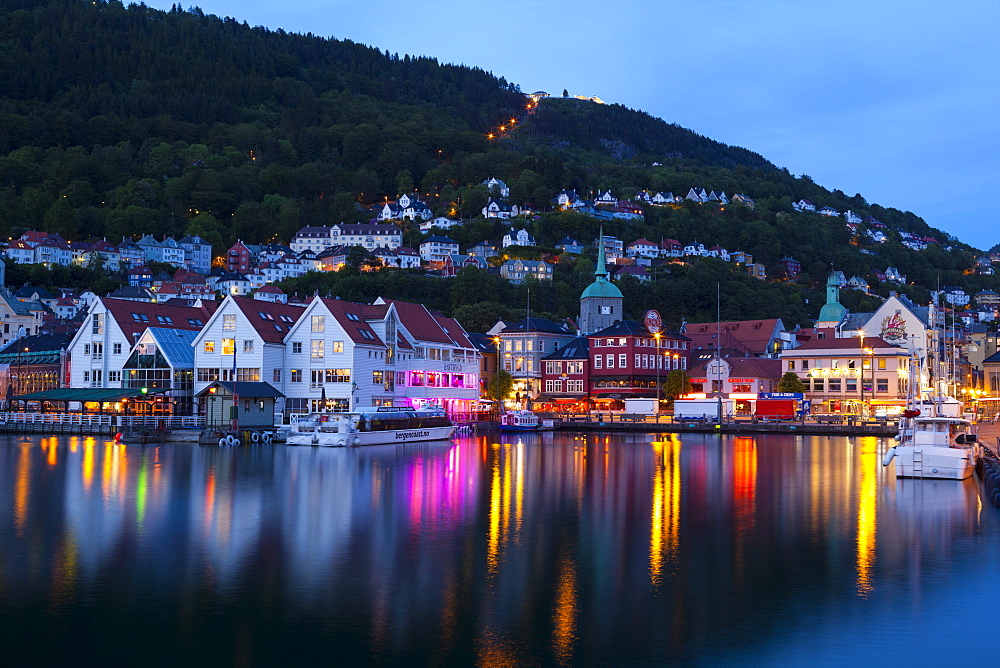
x=440, y=240
x=351, y=316
x=577, y=349
x=746, y=367
x=419, y=322
x=129, y=315
x=536, y=325
x=272, y=320
x=751, y=336
x=454, y=330
x=244, y=389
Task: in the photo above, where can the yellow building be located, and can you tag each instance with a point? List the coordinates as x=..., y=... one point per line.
x=851, y=375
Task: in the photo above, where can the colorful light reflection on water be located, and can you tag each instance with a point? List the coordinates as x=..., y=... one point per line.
x=541, y=548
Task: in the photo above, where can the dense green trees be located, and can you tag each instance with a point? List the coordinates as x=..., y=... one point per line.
x=123, y=120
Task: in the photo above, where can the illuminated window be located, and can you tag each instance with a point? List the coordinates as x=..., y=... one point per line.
x=209, y=346
x=228, y=346
x=316, y=350
x=337, y=346
x=228, y=323
x=319, y=323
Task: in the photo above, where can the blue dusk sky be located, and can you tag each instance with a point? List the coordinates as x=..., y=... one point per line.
x=895, y=99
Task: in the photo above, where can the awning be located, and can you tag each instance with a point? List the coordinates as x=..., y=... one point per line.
x=103, y=395
x=555, y=398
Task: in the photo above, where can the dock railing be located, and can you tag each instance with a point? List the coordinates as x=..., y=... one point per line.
x=98, y=420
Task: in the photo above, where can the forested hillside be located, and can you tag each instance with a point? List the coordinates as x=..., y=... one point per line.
x=123, y=120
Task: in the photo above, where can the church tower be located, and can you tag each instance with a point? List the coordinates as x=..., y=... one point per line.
x=602, y=302
x=833, y=311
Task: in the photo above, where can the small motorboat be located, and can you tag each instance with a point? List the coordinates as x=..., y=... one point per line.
x=521, y=420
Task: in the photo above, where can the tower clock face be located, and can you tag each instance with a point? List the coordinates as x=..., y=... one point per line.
x=605, y=310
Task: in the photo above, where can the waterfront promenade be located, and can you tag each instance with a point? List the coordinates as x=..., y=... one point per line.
x=848, y=426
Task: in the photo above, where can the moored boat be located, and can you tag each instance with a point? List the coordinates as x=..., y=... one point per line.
x=934, y=446
x=521, y=420
x=377, y=426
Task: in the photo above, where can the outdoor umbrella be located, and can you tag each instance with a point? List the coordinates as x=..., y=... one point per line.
x=10, y=395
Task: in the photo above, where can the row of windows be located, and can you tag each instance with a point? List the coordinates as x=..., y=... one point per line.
x=804, y=364
x=557, y=386
x=850, y=385
x=243, y=375
x=571, y=367
x=668, y=344
x=526, y=345
x=97, y=350
x=641, y=361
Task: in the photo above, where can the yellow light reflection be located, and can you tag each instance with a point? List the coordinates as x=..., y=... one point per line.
x=506, y=500
x=88, y=464
x=22, y=489
x=867, y=515
x=564, y=615
x=140, y=493
x=664, y=536
x=493, y=543
x=53, y=453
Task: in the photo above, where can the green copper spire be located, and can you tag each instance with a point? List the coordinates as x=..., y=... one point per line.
x=833, y=310
x=601, y=271
x=601, y=287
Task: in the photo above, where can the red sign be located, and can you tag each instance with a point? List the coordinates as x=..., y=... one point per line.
x=741, y=380
x=653, y=322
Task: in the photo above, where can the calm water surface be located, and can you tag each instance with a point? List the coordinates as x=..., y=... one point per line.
x=546, y=549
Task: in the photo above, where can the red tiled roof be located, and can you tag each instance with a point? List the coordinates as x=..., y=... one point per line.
x=746, y=367
x=419, y=322
x=340, y=310
x=122, y=309
x=455, y=331
x=273, y=329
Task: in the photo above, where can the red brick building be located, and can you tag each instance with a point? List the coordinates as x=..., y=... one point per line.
x=239, y=258
x=626, y=361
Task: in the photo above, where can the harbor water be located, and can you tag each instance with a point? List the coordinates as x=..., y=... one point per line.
x=533, y=549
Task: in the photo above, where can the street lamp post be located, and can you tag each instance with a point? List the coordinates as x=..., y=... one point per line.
x=658, y=364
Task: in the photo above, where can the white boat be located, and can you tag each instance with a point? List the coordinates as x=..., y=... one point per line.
x=934, y=446
x=519, y=421
x=378, y=426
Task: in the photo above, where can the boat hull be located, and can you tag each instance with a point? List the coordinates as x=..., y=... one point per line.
x=345, y=439
x=518, y=427
x=933, y=462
